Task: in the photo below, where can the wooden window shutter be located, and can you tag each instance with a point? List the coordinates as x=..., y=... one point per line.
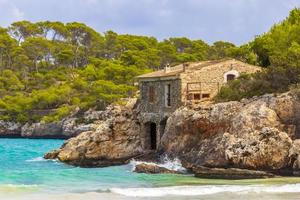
x=151, y=94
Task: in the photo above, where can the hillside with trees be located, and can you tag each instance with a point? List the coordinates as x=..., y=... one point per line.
x=279, y=52
x=56, y=66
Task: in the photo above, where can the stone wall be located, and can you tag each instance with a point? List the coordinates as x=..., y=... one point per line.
x=157, y=112
x=212, y=76
x=158, y=105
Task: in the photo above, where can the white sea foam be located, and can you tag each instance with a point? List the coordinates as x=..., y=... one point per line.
x=204, y=190
x=18, y=186
x=41, y=159
x=171, y=164
x=38, y=159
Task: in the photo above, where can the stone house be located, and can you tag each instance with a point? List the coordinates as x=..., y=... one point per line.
x=162, y=92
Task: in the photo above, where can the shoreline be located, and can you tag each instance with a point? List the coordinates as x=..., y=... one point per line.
x=59, y=137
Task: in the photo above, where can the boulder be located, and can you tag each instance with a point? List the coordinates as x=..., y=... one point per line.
x=153, y=169
x=51, y=155
x=229, y=173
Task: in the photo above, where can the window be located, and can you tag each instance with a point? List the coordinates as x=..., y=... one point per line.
x=151, y=94
x=197, y=96
x=230, y=77
x=205, y=96
x=168, y=95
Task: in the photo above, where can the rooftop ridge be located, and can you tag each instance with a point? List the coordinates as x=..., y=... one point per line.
x=180, y=68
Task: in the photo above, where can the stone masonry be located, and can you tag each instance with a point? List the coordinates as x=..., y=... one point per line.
x=162, y=92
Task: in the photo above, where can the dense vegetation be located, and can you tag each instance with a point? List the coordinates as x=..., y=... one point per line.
x=57, y=66
x=279, y=51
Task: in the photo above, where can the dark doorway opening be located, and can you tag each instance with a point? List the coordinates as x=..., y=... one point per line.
x=153, y=136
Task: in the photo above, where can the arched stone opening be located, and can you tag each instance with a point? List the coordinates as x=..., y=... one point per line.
x=231, y=75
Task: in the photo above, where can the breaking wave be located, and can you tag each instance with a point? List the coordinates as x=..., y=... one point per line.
x=41, y=159
x=171, y=164
x=38, y=159
x=204, y=190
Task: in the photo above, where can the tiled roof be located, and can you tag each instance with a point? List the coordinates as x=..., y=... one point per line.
x=178, y=69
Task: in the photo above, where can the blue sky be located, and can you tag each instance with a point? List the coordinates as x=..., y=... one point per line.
x=237, y=21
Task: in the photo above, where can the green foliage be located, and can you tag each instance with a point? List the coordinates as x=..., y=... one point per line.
x=279, y=51
x=60, y=113
x=52, y=65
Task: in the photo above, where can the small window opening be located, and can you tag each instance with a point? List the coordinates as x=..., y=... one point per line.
x=197, y=96
x=168, y=95
x=230, y=77
x=205, y=96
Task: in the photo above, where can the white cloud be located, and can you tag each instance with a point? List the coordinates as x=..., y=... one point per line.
x=9, y=12
x=237, y=21
x=17, y=13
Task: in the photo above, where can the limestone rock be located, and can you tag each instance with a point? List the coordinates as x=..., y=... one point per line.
x=294, y=156
x=42, y=130
x=10, y=129
x=267, y=149
x=153, y=169
x=113, y=142
x=51, y=155
x=255, y=134
x=229, y=173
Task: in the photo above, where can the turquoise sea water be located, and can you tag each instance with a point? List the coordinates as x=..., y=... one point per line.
x=24, y=174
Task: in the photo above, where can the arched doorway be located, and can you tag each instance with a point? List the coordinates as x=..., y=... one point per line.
x=150, y=137
x=230, y=77
x=153, y=136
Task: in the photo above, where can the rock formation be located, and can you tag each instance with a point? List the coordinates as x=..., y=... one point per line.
x=153, y=169
x=229, y=173
x=254, y=134
x=115, y=140
x=10, y=129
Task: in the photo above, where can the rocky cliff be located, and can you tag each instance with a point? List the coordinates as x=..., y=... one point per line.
x=10, y=129
x=68, y=127
x=114, y=141
x=257, y=134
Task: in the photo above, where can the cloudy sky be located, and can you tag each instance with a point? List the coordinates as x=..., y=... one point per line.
x=236, y=21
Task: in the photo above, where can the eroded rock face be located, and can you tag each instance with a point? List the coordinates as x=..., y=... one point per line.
x=69, y=127
x=10, y=129
x=230, y=173
x=266, y=149
x=254, y=134
x=114, y=142
x=42, y=130
x=294, y=155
